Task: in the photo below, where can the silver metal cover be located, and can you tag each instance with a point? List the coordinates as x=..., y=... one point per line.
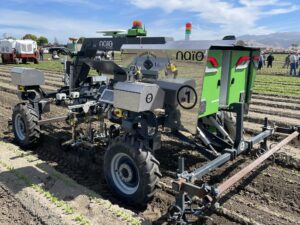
x=137, y=96
x=27, y=76
x=180, y=68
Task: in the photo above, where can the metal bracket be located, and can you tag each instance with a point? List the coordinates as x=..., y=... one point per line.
x=86, y=106
x=232, y=152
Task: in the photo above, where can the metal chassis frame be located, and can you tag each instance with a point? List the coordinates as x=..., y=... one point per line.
x=184, y=186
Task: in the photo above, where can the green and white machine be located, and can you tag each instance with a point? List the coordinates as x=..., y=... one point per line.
x=155, y=83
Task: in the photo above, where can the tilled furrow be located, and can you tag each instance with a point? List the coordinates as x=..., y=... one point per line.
x=255, y=117
x=275, y=104
x=265, y=110
x=270, y=97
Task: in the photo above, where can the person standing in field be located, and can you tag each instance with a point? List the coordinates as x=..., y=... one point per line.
x=270, y=60
x=260, y=61
x=287, y=61
x=293, y=61
x=41, y=51
x=297, y=62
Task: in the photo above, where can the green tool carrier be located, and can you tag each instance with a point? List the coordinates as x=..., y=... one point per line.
x=229, y=78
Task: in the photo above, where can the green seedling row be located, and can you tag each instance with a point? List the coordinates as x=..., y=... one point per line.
x=79, y=218
x=286, y=79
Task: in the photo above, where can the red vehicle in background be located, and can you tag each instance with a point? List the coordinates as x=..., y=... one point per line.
x=19, y=51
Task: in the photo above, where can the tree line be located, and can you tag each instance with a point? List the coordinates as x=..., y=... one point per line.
x=42, y=40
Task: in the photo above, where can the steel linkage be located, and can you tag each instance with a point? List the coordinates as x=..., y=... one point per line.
x=209, y=195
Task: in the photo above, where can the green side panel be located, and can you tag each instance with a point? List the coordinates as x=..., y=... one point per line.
x=252, y=74
x=238, y=78
x=211, y=85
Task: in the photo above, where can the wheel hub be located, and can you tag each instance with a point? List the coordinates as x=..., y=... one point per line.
x=125, y=174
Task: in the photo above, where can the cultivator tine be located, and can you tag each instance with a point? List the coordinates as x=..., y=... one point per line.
x=209, y=194
x=205, y=140
x=242, y=173
x=221, y=129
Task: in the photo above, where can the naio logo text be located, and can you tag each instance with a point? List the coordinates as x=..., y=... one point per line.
x=190, y=55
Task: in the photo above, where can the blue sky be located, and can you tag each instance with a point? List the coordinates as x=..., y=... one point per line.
x=211, y=19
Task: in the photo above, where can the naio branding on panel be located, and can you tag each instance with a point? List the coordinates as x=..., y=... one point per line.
x=190, y=55
x=106, y=44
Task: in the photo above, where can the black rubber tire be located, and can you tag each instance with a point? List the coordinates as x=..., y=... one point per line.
x=30, y=119
x=146, y=165
x=36, y=61
x=3, y=60
x=24, y=60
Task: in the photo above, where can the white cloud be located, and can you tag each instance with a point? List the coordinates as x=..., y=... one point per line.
x=48, y=25
x=220, y=18
x=281, y=10
x=229, y=17
x=264, y=3
x=87, y=3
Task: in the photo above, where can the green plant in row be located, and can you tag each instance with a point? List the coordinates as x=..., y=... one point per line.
x=121, y=213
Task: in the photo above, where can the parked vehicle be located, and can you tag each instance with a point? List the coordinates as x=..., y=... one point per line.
x=16, y=51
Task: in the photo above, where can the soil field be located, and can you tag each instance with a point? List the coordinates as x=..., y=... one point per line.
x=13, y=212
x=270, y=195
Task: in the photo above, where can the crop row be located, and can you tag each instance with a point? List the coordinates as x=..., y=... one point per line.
x=285, y=79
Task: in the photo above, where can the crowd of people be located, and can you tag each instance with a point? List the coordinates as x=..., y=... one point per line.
x=292, y=61
x=262, y=61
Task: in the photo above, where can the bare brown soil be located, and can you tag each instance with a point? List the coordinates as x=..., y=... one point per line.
x=270, y=195
x=13, y=212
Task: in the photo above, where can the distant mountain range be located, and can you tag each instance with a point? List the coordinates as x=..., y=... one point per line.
x=275, y=40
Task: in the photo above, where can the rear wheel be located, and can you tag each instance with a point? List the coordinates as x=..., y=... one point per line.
x=25, y=125
x=130, y=172
x=24, y=60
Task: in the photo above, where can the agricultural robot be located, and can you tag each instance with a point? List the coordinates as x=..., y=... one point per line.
x=197, y=91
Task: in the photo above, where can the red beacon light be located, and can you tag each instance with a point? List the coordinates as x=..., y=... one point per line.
x=188, y=31
x=137, y=24
x=188, y=28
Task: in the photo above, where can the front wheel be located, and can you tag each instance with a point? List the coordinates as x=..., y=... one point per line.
x=25, y=125
x=130, y=172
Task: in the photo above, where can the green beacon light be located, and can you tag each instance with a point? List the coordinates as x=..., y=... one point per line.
x=188, y=31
